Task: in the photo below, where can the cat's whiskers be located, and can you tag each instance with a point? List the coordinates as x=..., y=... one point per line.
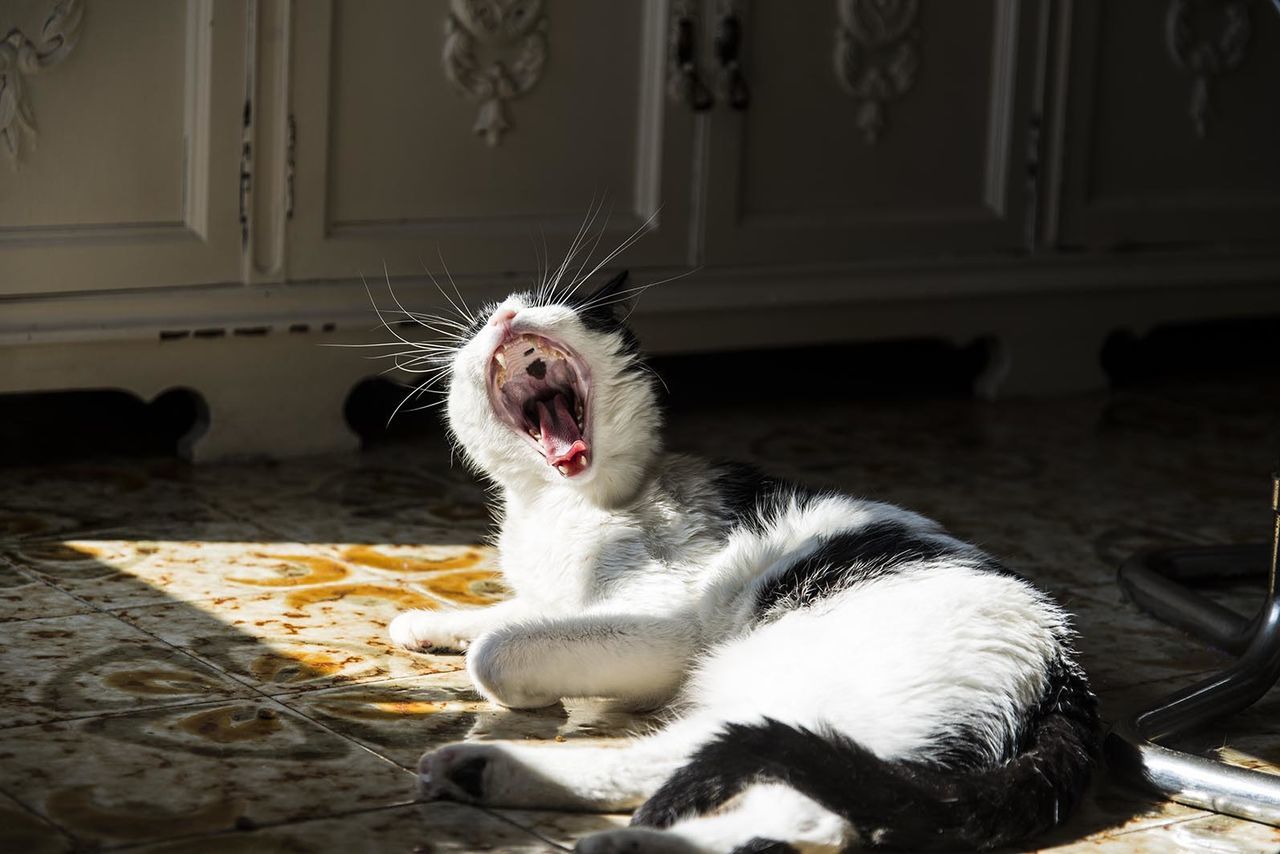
x=626, y=244
x=576, y=246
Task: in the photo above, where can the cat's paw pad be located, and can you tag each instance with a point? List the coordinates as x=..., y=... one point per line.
x=635, y=840
x=421, y=631
x=459, y=772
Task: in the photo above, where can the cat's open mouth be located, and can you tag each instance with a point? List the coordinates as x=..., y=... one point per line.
x=539, y=387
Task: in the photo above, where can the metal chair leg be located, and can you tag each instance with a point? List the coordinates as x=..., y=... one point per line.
x=1154, y=581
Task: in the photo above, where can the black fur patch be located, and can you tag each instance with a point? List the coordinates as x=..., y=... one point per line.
x=909, y=805
x=875, y=550
x=469, y=776
x=760, y=845
x=748, y=494
x=605, y=310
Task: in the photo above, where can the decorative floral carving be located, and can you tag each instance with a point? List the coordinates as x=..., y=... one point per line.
x=20, y=56
x=1206, y=57
x=875, y=58
x=495, y=27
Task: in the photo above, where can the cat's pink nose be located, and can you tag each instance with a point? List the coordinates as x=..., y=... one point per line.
x=502, y=316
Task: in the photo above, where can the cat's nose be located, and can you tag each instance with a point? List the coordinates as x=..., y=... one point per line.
x=502, y=316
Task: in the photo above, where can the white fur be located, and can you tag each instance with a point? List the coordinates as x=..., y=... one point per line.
x=623, y=590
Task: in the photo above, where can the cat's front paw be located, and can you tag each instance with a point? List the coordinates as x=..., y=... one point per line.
x=505, y=676
x=426, y=631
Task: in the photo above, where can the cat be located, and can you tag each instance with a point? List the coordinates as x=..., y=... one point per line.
x=836, y=671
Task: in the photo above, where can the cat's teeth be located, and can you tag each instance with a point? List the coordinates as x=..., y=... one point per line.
x=563, y=469
x=501, y=359
x=585, y=460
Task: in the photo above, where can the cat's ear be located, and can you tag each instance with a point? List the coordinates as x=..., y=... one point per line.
x=611, y=288
x=608, y=304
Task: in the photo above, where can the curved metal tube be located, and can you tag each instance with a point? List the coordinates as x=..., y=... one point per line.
x=1183, y=777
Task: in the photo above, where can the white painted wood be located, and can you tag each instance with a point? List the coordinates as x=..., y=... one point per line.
x=391, y=169
x=1132, y=166
x=805, y=173
x=198, y=213
x=126, y=184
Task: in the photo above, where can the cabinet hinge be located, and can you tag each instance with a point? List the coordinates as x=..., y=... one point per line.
x=246, y=171
x=290, y=142
x=1033, y=177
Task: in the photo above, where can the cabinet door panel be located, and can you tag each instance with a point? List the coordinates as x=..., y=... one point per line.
x=1154, y=153
x=126, y=174
x=400, y=153
x=818, y=169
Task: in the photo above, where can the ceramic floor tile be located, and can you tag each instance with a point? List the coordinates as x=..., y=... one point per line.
x=1119, y=645
x=403, y=718
x=25, y=596
x=301, y=640
x=117, y=570
x=394, y=498
x=90, y=664
x=564, y=828
x=1219, y=834
x=438, y=828
x=23, y=831
x=123, y=573
x=93, y=496
x=1110, y=810
x=164, y=772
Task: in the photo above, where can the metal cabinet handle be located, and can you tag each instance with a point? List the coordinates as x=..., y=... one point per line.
x=686, y=81
x=728, y=45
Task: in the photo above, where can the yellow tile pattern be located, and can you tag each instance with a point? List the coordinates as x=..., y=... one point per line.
x=196, y=659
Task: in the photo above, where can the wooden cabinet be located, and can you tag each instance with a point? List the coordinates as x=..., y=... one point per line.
x=120, y=142
x=198, y=187
x=481, y=129
x=875, y=131
x=1170, y=124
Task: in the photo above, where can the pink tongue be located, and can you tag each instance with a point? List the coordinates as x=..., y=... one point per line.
x=561, y=440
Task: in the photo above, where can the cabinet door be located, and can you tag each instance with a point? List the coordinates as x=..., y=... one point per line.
x=1171, y=123
x=476, y=128
x=876, y=128
x=122, y=139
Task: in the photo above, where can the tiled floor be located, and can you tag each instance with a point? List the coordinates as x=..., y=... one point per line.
x=196, y=659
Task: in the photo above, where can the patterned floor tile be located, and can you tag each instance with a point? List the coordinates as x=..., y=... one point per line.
x=124, y=573
x=92, y=664
x=328, y=636
x=1121, y=646
x=403, y=718
x=286, y=575
x=438, y=828
x=564, y=828
x=25, y=596
x=402, y=496
x=165, y=772
x=23, y=831
x=1215, y=833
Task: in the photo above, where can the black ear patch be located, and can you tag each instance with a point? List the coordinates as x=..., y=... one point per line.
x=604, y=308
x=613, y=286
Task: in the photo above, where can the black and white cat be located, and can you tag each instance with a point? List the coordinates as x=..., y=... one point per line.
x=838, y=671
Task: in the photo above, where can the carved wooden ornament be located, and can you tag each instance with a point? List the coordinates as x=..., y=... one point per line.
x=20, y=57
x=875, y=58
x=1206, y=54
x=494, y=51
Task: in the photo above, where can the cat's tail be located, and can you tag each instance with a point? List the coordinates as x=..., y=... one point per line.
x=907, y=805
